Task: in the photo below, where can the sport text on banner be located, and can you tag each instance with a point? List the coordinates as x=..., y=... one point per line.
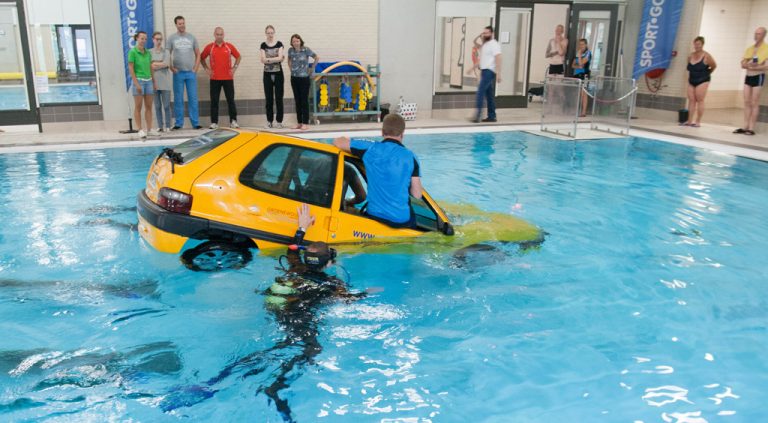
x=658, y=30
x=135, y=15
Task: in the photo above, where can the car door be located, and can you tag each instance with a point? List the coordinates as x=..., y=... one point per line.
x=349, y=224
x=268, y=186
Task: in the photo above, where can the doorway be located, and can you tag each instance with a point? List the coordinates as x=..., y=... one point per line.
x=597, y=23
x=513, y=34
x=17, y=94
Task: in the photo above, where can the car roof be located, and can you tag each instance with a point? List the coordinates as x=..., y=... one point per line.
x=273, y=138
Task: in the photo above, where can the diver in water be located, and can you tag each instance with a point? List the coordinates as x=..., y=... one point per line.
x=294, y=299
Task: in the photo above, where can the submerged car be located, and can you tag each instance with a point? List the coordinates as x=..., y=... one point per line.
x=239, y=190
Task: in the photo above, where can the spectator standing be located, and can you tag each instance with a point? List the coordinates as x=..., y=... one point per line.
x=581, y=69
x=185, y=61
x=222, y=74
x=272, y=55
x=490, y=67
x=700, y=66
x=755, y=61
x=161, y=71
x=143, y=85
x=298, y=61
x=556, y=49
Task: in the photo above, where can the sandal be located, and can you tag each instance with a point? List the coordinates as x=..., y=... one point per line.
x=749, y=132
x=740, y=131
x=683, y=124
x=695, y=125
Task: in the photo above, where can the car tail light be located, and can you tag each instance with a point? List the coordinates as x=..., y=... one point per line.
x=174, y=201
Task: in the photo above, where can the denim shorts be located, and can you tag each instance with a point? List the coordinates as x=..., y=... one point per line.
x=146, y=88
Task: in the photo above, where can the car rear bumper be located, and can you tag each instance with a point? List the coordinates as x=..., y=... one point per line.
x=164, y=230
x=167, y=231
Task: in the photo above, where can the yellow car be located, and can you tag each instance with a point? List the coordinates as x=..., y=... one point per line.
x=238, y=190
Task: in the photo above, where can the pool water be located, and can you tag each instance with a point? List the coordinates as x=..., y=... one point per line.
x=15, y=98
x=647, y=302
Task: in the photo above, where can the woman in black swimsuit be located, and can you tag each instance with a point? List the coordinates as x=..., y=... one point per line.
x=700, y=66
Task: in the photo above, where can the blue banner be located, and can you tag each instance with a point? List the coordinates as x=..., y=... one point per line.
x=658, y=30
x=135, y=15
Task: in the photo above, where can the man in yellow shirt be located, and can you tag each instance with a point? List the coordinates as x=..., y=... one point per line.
x=755, y=61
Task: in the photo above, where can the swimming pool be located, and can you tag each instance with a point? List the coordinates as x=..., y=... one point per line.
x=15, y=98
x=647, y=302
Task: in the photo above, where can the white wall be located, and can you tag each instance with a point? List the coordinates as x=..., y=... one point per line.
x=109, y=56
x=334, y=29
x=726, y=46
x=71, y=12
x=406, y=51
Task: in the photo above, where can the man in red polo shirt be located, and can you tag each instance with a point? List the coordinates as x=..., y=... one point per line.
x=222, y=73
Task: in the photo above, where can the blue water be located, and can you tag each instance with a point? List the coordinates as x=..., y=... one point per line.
x=647, y=302
x=15, y=98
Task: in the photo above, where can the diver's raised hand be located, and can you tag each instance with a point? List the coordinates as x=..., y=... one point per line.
x=305, y=219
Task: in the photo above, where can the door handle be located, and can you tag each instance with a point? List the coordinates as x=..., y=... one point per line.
x=254, y=210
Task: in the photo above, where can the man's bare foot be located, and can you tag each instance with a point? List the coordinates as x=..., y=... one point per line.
x=297, y=126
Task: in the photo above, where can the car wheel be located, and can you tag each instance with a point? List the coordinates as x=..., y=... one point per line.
x=212, y=256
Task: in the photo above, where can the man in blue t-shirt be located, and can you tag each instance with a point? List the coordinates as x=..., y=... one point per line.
x=392, y=172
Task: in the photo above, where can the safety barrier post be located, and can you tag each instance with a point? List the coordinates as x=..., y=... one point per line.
x=560, y=108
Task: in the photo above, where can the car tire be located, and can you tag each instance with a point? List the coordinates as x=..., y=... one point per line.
x=212, y=256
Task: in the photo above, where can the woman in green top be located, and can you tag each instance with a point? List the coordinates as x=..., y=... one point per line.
x=143, y=86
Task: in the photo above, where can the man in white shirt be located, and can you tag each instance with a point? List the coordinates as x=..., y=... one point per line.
x=490, y=67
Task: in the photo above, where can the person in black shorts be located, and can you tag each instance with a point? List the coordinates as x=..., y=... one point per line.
x=755, y=61
x=700, y=66
x=556, y=49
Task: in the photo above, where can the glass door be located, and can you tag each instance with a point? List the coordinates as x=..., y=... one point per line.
x=17, y=97
x=597, y=24
x=458, y=43
x=513, y=33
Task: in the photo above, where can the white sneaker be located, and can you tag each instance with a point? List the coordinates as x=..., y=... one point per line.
x=142, y=134
x=268, y=125
x=279, y=125
x=154, y=133
x=167, y=129
x=214, y=126
x=233, y=124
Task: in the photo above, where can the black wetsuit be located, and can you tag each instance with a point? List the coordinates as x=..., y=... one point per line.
x=698, y=73
x=306, y=292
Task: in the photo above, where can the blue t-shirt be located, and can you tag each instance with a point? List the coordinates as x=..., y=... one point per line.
x=389, y=167
x=587, y=57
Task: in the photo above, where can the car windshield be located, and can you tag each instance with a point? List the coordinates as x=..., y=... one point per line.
x=201, y=144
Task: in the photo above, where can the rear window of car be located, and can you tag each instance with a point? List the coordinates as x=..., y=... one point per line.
x=203, y=143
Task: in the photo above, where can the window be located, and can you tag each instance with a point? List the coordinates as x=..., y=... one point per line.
x=293, y=172
x=458, y=25
x=62, y=50
x=355, y=193
x=201, y=144
x=426, y=218
x=355, y=187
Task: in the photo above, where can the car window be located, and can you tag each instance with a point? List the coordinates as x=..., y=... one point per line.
x=297, y=173
x=426, y=218
x=203, y=143
x=355, y=187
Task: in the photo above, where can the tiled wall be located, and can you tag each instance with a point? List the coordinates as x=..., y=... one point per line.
x=244, y=107
x=50, y=114
x=453, y=101
x=660, y=102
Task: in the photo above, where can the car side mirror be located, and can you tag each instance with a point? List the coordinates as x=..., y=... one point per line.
x=448, y=229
